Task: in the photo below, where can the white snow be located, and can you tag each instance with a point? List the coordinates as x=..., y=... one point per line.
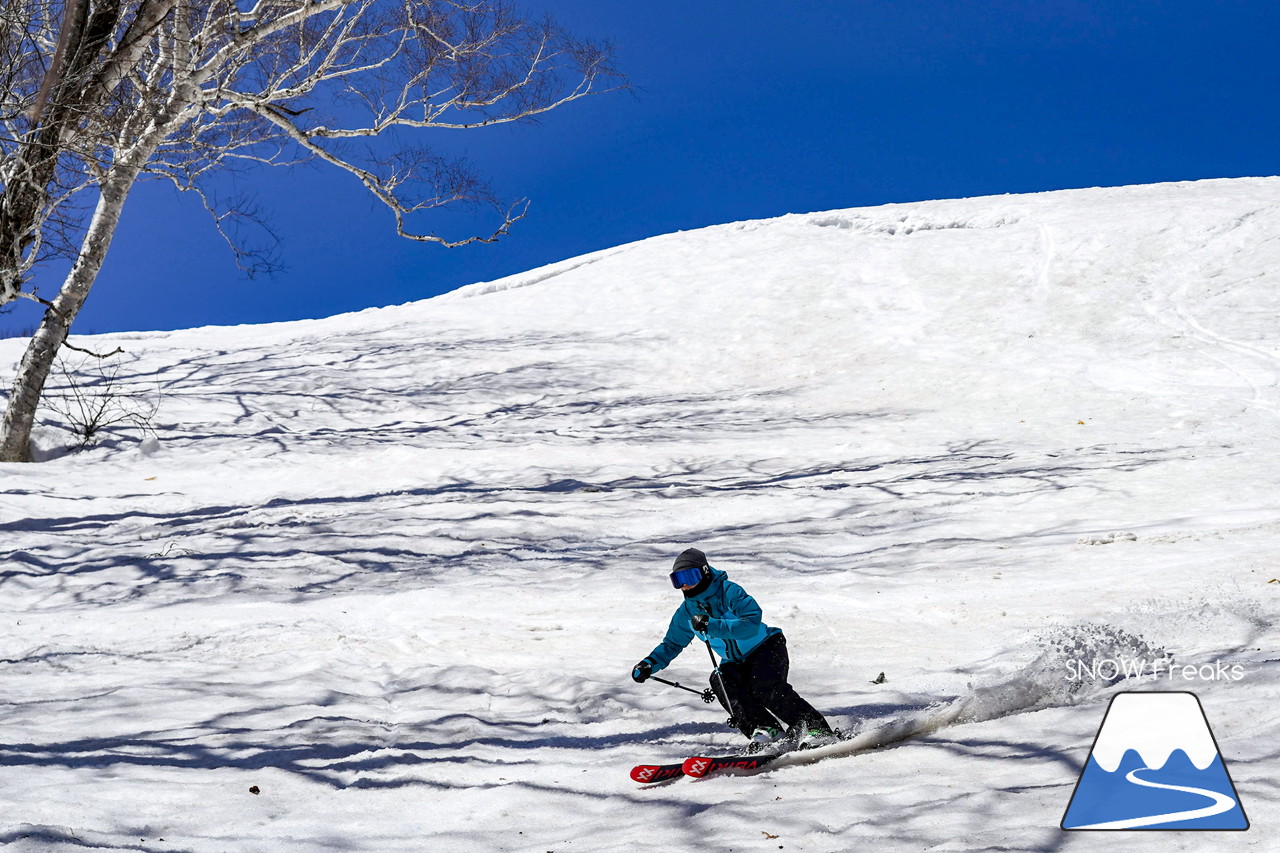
x=392, y=569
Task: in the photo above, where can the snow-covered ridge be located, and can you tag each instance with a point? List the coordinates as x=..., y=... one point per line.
x=901, y=219
x=905, y=223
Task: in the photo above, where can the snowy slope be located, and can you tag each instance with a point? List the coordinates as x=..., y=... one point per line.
x=393, y=568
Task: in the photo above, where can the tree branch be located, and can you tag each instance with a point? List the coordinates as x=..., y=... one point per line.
x=71, y=346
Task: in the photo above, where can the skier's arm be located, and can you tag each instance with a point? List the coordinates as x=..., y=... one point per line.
x=742, y=616
x=679, y=635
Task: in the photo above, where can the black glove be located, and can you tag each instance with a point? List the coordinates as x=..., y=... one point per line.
x=641, y=673
x=700, y=623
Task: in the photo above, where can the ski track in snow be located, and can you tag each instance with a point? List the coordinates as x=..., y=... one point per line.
x=392, y=569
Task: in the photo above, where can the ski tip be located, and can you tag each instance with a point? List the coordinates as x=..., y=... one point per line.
x=644, y=773
x=647, y=773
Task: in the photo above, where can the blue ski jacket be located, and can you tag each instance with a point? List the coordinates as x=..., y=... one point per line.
x=734, y=628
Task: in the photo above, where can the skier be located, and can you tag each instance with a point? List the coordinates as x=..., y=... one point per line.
x=751, y=679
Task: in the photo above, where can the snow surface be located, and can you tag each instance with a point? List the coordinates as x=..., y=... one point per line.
x=392, y=569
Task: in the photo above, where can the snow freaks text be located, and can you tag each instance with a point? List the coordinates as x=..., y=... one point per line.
x=1116, y=669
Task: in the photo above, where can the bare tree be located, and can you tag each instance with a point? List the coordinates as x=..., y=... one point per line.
x=92, y=399
x=97, y=94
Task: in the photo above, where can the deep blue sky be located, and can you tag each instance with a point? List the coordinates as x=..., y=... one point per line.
x=750, y=109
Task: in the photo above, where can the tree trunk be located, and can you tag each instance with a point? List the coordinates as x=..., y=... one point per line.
x=37, y=361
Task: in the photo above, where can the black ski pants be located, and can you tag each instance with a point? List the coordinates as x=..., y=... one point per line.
x=756, y=694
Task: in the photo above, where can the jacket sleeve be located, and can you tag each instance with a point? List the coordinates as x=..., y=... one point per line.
x=679, y=635
x=742, y=615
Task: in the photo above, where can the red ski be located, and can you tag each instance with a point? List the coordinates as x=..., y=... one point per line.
x=700, y=765
x=646, y=773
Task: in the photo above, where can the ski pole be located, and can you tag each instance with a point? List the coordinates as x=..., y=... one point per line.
x=707, y=695
x=714, y=665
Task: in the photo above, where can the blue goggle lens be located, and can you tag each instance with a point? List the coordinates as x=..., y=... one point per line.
x=686, y=577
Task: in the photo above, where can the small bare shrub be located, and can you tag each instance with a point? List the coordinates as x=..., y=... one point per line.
x=92, y=398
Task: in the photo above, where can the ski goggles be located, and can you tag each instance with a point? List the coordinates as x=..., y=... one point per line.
x=686, y=577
